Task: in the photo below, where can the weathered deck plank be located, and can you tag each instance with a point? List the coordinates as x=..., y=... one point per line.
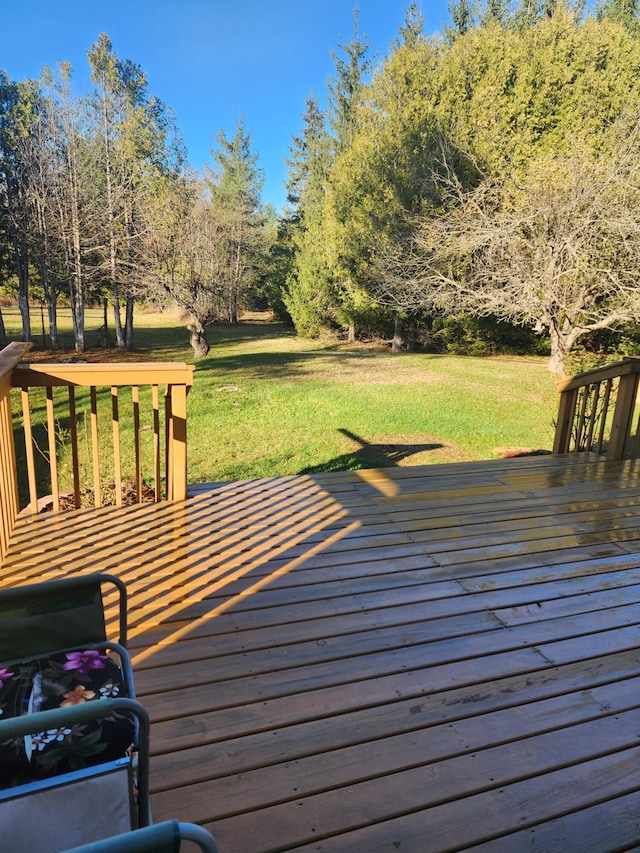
x=418, y=659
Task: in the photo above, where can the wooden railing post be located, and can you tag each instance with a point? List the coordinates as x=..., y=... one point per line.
x=623, y=417
x=9, y=500
x=566, y=412
x=176, y=442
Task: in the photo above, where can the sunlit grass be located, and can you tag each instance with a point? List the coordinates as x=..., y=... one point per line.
x=265, y=403
x=278, y=405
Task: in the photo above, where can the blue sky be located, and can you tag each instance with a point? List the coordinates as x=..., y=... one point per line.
x=210, y=60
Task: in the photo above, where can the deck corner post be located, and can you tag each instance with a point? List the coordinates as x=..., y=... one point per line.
x=176, y=413
x=566, y=412
x=623, y=417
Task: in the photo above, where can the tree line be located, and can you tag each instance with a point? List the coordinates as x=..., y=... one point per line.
x=98, y=202
x=488, y=176
x=481, y=182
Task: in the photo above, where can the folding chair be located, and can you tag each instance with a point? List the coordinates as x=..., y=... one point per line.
x=160, y=838
x=61, y=736
x=86, y=804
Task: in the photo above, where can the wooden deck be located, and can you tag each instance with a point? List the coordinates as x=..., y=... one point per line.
x=417, y=659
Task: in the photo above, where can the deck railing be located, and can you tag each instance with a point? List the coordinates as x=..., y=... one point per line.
x=9, y=493
x=84, y=435
x=599, y=412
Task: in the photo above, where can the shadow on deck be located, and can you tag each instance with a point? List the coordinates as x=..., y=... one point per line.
x=420, y=659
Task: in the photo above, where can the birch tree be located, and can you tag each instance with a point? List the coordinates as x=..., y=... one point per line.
x=134, y=138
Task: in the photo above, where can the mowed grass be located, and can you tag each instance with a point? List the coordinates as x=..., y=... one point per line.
x=276, y=405
x=266, y=403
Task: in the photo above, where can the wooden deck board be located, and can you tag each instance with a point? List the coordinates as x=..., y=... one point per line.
x=416, y=659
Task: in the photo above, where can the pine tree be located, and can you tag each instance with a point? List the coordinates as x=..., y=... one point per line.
x=16, y=103
x=308, y=291
x=410, y=31
x=625, y=12
x=236, y=186
x=345, y=88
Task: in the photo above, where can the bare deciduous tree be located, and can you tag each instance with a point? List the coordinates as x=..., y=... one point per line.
x=188, y=258
x=560, y=252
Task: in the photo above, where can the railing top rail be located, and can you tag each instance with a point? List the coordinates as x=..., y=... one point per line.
x=11, y=355
x=601, y=374
x=106, y=374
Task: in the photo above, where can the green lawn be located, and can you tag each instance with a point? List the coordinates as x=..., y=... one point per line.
x=265, y=403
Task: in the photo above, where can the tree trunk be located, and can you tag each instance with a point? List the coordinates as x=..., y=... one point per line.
x=117, y=321
x=23, y=305
x=198, y=340
x=129, y=291
x=21, y=256
x=351, y=334
x=128, y=322
x=48, y=282
x=69, y=216
x=77, y=311
x=561, y=344
x=3, y=333
x=398, y=332
x=52, y=313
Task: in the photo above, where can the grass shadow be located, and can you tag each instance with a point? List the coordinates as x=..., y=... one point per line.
x=370, y=455
x=285, y=365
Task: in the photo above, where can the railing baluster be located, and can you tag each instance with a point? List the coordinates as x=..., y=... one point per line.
x=585, y=393
x=8, y=473
x=156, y=443
x=135, y=396
x=117, y=459
x=28, y=448
x=53, y=451
x=75, y=458
x=603, y=419
x=636, y=440
x=5, y=476
x=95, y=446
x=593, y=415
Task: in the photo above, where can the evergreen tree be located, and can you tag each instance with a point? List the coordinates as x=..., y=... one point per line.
x=461, y=13
x=346, y=91
x=16, y=105
x=385, y=176
x=308, y=293
x=411, y=30
x=309, y=160
x=236, y=187
x=346, y=87
x=624, y=12
x=496, y=11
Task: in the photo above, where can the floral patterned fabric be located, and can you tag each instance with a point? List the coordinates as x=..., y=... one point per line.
x=59, y=681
